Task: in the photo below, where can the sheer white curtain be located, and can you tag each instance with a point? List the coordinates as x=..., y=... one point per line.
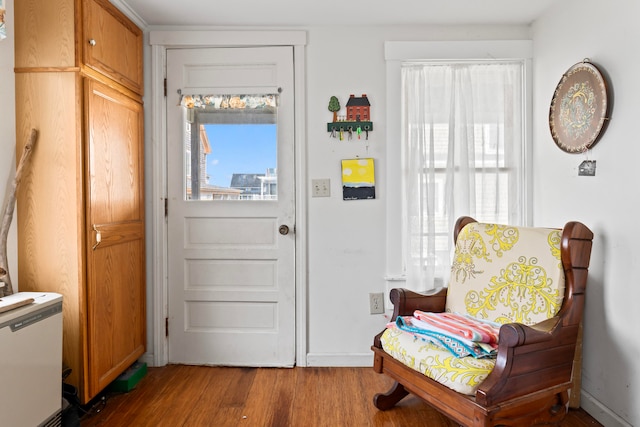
x=462, y=148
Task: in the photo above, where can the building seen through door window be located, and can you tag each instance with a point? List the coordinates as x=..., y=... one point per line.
x=230, y=147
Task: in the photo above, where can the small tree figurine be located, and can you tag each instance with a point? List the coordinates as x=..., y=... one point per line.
x=334, y=107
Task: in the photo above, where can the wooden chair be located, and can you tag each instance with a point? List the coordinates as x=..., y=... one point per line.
x=529, y=380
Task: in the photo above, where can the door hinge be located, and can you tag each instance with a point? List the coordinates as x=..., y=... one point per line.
x=166, y=208
x=166, y=326
x=165, y=87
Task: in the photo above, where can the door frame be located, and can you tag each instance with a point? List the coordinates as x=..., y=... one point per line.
x=157, y=277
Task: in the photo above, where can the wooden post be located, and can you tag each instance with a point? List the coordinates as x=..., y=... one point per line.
x=8, y=215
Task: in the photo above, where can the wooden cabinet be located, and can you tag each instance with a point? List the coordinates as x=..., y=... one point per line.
x=81, y=200
x=112, y=45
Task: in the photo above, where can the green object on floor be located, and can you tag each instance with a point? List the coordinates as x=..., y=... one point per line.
x=128, y=379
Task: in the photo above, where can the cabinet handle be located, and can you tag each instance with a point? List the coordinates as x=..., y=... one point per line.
x=98, y=238
x=92, y=42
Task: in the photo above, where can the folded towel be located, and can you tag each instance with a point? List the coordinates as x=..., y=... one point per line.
x=463, y=326
x=458, y=346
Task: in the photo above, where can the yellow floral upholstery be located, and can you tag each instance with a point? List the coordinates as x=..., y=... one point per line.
x=463, y=375
x=499, y=273
x=506, y=274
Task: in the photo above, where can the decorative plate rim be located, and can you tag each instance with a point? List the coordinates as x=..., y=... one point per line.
x=578, y=113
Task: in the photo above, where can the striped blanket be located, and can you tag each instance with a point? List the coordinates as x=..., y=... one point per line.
x=462, y=335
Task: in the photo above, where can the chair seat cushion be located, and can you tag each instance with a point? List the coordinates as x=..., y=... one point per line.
x=463, y=375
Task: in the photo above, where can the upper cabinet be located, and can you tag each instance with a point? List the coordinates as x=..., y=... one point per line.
x=111, y=44
x=45, y=34
x=104, y=42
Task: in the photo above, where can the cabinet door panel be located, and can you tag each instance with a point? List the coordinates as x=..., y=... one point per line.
x=115, y=233
x=112, y=45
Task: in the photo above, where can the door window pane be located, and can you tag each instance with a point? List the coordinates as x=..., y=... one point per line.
x=230, y=152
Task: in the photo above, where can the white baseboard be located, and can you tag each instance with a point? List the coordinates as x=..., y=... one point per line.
x=148, y=359
x=340, y=359
x=601, y=413
x=350, y=360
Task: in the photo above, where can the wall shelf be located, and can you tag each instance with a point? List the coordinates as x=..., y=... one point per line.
x=346, y=125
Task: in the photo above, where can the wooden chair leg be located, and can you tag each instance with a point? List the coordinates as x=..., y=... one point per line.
x=388, y=400
x=574, y=392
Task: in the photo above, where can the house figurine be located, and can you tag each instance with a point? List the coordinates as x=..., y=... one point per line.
x=358, y=108
x=357, y=120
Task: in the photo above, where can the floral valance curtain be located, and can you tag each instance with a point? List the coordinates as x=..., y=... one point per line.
x=229, y=102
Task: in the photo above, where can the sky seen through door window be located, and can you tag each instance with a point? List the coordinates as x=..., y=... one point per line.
x=240, y=149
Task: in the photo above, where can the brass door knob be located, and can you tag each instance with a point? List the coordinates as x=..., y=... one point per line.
x=284, y=230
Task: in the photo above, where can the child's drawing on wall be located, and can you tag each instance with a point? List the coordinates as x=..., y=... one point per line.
x=3, y=28
x=358, y=181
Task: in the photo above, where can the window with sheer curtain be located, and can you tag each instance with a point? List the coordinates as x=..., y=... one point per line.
x=463, y=141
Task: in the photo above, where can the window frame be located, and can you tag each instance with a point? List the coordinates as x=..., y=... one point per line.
x=397, y=53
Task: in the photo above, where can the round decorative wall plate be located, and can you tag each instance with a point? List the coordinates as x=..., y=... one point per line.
x=579, y=108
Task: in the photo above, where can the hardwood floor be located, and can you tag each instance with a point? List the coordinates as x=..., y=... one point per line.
x=193, y=396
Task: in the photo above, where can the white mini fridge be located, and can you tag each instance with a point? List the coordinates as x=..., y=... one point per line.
x=31, y=360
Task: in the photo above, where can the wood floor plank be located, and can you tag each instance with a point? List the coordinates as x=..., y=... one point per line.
x=222, y=398
x=195, y=396
x=306, y=395
x=272, y=395
x=175, y=404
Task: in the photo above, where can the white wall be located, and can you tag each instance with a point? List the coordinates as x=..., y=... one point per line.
x=346, y=239
x=8, y=135
x=610, y=36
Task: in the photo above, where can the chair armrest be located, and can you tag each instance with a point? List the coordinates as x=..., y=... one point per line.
x=529, y=358
x=517, y=334
x=405, y=302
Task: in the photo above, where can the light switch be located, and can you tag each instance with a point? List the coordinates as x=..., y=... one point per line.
x=320, y=187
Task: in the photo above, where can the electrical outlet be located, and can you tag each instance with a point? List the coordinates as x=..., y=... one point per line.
x=320, y=188
x=376, y=303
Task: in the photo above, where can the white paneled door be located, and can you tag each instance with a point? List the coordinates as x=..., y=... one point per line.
x=231, y=207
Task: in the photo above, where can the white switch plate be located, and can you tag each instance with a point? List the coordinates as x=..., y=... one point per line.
x=320, y=187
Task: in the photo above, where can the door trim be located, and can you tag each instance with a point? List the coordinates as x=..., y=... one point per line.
x=156, y=142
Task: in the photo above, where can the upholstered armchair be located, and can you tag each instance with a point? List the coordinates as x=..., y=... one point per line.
x=529, y=284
